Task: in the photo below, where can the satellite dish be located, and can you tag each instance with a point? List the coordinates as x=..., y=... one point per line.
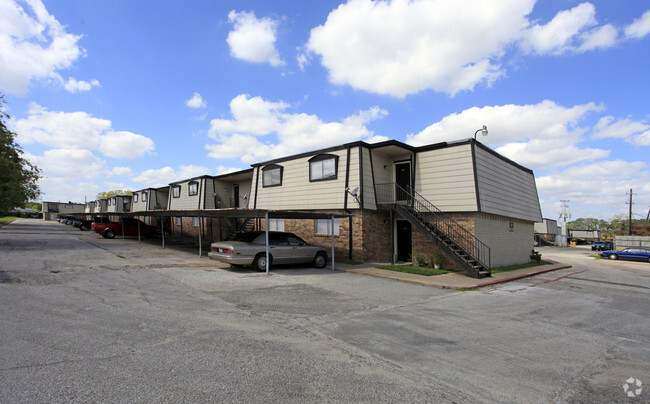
x=244, y=197
x=354, y=192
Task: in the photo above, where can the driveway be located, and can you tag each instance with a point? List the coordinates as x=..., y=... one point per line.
x=88, y=319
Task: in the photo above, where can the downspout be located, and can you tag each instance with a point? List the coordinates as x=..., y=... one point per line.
x=345, y=203
x=257, y=183
x=478, y=197
x=363, y=191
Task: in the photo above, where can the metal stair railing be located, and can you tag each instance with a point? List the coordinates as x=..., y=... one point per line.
x=392, y=193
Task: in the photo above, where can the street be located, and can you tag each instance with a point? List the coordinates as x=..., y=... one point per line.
x=87, y=319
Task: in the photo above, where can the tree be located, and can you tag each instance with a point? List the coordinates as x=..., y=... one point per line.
x=115, y=192
x=18, y=177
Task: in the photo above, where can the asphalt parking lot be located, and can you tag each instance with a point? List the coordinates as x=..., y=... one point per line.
x=92, y=320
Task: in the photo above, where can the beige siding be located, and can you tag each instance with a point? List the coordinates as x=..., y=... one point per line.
x=445, y=177
x=159, y=198
x=505, y=189
x=297, y=192
x=245, y=190
x=382, y=175
x=185, y=201
x=140, y=206
x=506, y=247
x=368, y=192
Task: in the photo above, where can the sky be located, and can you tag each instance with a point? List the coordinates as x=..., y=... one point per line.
x=120, y=94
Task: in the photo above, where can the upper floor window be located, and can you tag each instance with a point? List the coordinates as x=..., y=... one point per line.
x=135, y=198
x=176, y=191
x=109, y=201
x=323, y=167
x=272, y=175
x=114, y=201
x=193, y=188
x=144, y=197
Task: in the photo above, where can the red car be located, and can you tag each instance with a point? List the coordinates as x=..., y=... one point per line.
x=110, y=230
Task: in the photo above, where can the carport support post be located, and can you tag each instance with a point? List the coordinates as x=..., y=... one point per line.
x=266, y=225
x=138, y=218
x=333, y=266
x=200, y=229
x=162, y=230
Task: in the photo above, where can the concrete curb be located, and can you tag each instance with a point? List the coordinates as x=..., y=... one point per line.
x=520, y=276
x=449, y=281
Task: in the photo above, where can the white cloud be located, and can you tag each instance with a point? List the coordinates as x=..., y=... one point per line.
x=122, y=171
x=243, y=137
x=196, y=101
x=125, y=145
x=634, y=132
x=33, y=45
x=535, y=135
x=609, y=180
x=402, y=47
x=252, y=39
x=79, y=130
x=61, y=129
x=639, y=27
x=70, y=163
x=75, y=86
x=559, y=34
x=162, y=176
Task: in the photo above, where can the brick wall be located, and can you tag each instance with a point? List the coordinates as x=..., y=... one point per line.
x=425, y=248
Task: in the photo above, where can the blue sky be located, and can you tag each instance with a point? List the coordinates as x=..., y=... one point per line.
x=133, y=94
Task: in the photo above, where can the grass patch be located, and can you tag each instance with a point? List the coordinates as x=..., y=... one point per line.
x=414, y=270
x=7, y=219
x=519, y=266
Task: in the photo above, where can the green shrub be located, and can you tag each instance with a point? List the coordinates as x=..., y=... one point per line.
x=536, y=256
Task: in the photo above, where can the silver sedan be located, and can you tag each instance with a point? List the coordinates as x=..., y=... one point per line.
x=249, y=248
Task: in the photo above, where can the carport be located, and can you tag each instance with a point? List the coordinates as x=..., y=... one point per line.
x=227, y=213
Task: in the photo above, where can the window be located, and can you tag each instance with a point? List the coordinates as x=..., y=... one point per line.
x=323, y=167
x=135, y=198
x=176, y=191
x=272, y=175
x=114, y=201
x=276, y=224
x=193, y=188
x=195, y=221
x=144, y=197
x=109, y=201
x=178, y=221
x=324, y=226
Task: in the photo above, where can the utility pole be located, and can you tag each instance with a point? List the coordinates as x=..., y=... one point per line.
x=564, y=215
x=629, y=219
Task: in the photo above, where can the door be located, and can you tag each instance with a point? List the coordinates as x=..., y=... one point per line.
x=403, y=180
x=403, y=241
x=235, y=189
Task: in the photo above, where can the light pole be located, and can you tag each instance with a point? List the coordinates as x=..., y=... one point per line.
x=483, y=131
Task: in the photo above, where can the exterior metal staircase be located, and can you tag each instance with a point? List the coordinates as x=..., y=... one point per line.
x=237, y=226
x=460, y=244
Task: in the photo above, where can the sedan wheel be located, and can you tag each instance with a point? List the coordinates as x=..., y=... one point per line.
x=260, y=262
x=109, y=233
x=320, y=260
x=613, y=257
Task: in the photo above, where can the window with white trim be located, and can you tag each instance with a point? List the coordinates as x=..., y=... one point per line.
x=135, y=198
x=324, y=227
x=272, y=175
x=176, y=191
x=195, y=221
x=193, y=188
x=144, y=197
x=178, y=221
x=323, y=167
x=276, y=224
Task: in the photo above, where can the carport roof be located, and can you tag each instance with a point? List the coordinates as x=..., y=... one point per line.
x=232, y=212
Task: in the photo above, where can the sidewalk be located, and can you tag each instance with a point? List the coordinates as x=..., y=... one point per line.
x=452, y=280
